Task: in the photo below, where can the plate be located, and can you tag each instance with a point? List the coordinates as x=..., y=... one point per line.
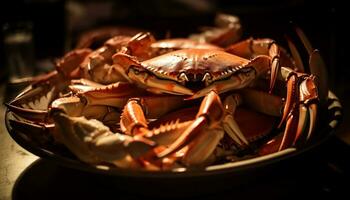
x=183, y=179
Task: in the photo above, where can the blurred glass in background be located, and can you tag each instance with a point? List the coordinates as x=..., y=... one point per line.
x=32, y=37
x=18, y=49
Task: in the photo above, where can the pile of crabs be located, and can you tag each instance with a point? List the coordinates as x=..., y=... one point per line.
x=140, y=103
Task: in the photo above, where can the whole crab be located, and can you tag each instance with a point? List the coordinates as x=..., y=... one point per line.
x=117, y=104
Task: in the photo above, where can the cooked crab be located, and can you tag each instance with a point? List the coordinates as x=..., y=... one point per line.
x=149, y=86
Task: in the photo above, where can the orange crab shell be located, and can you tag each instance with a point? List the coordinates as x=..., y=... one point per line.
x=195, y=63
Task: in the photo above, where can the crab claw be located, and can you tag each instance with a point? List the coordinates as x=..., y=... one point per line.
x=300, y=109
x=32, y=103
x=35, y=99
x=93, y=142
x=230, y=125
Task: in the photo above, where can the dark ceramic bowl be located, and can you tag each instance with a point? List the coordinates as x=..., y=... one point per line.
x=211, y=178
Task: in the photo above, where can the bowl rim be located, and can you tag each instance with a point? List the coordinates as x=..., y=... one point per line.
x=334, y=113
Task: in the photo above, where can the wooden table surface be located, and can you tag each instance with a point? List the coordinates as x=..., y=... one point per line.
x=13, y=158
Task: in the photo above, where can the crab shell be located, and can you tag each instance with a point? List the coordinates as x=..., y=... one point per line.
x=184, y=71
x=196, y=65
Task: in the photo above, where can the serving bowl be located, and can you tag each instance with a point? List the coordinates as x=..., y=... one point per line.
x=208, y=179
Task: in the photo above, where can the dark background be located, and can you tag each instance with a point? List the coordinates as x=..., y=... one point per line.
x=57, y=24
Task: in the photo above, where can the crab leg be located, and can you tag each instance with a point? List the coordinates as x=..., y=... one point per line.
x=89, y=101
x=34, y=92
x=301, y=103
x=32, y=102
x=76, y=106
x=299, y=110
x=117, y=94
x=202, y=147
x=228, y=30
x=133, y=122
x=230, y=125
x=257, y=100
x=206, y=127
x=309, y=98
x=262, y=101
x=133, y=119
x=250, y=48
x=99, y=66
x=28, y=113
x=114, y=95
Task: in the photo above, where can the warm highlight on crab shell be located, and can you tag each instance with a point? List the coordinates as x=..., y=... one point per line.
x=147, y=104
